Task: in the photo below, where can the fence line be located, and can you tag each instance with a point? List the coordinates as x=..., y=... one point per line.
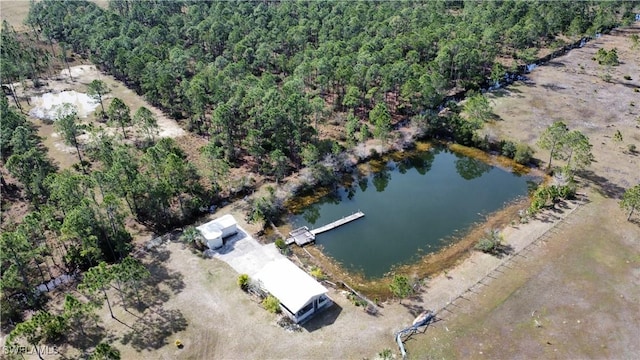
x=512, y=258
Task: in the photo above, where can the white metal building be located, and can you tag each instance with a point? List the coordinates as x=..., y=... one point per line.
x=300, y=294
x=215, y=230
x=227, y=224
x=212, y=234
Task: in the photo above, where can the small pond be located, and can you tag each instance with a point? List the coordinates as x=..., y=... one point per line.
x=412, y=207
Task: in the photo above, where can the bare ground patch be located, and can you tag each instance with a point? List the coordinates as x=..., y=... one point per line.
x=578, y=94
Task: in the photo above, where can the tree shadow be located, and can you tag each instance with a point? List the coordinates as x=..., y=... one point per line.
x=324, y=318
x=150, y=291
x=553, y=87
x=160, y=274
x=10, y=192
x=154, y=328
x=91, y=337
x=500, y=250
x=503, y=250
x=547, y=216
x=415, y=297
x=502, y=92
x=414, y=309
x=606, y=187
x=555, y=64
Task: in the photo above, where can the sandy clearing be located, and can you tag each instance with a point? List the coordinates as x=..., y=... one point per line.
x=572, y=296
x=48, y=106
x=47, y=99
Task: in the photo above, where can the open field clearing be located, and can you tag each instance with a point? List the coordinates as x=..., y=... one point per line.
x=64, y=88
x=572, y=89
x=572, y=296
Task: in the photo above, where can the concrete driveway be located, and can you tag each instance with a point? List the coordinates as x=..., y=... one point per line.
x=246, y=255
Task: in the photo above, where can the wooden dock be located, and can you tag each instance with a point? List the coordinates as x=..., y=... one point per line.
x=303, y=236
x=337, y=223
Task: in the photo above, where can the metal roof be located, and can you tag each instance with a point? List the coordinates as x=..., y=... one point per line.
x=290, y=284
x=210, y=230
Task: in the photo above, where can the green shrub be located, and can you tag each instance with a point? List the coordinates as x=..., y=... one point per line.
x=271, y=304
x=490, y=243
x=317, y=273
x=605, y=57
x=356, y=300
x=546, y=196
x=400, y=286
x=617, y=136
x=523, y=154
x=567, y=191
x=508, y=148
x=627, y=77
x=243, y=281
x=385, y=354
x=631, y=148
x=280, y=244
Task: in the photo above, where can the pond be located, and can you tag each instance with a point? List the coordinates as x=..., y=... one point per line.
x=413, y=206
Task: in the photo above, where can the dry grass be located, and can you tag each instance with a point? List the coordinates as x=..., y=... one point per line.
x=14, y=12
x=572, y=297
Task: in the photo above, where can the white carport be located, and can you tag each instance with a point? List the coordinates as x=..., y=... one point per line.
x=300, y=294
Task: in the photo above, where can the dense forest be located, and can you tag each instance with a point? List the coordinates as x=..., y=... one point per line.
x=253, y=78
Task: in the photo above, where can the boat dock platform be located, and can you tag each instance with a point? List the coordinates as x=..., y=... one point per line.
x=303, y=236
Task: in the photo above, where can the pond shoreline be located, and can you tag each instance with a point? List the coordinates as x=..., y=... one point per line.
x=458, y=243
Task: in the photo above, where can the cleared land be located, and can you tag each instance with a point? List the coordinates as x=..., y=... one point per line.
x=574, y=295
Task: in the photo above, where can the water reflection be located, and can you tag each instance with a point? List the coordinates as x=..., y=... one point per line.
x=420, y=199
x=469, y=168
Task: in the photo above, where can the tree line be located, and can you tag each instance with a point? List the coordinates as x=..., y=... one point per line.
x=255, y=76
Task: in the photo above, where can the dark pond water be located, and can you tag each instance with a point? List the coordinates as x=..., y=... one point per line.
x=411, y=208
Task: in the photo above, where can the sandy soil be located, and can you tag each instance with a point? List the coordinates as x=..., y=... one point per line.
x=571, y=89
x=14, y=12
x=572, y=296
x=65, y=88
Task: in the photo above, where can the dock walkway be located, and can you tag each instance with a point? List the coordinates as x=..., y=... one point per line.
x=337, y=223
x=303, y=236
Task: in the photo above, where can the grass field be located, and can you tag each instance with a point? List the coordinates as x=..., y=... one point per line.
x=573, y=297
